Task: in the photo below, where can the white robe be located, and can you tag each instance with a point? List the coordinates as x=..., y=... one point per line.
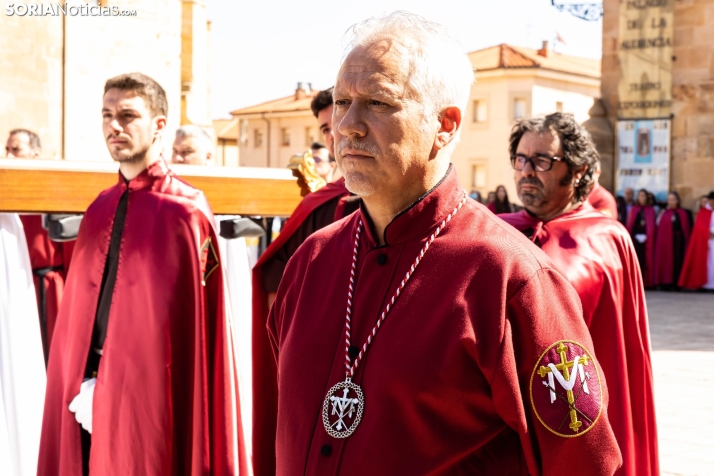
x=22, y=366
x=710, y=258
x=234, y=254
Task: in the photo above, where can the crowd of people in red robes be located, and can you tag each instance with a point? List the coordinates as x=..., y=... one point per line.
x=663, y=237
x=661, y=232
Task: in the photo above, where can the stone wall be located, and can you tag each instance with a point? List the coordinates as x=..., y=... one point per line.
x=692, y=166
x=31, y=78
x=41, y=55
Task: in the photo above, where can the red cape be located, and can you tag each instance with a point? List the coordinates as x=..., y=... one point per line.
x=45, y=255
x=597, y=255
x=694, y=269
x=648, y=267
x=166, y=399
x=664, y=249
x=603, y=201
x=265, y=389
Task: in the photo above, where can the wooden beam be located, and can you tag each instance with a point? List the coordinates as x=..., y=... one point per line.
x=53, y=186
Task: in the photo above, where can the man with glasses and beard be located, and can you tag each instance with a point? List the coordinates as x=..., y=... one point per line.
x=142, y=375
x=554, y=161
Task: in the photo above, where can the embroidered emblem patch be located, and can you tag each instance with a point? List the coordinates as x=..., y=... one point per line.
x=209, y=260
x=566, y=392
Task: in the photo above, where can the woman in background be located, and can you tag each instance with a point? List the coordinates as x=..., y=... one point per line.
x=673, y=228
x=501, y=204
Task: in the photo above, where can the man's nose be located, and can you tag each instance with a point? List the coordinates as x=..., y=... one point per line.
x=351, y=122
x=114, y=125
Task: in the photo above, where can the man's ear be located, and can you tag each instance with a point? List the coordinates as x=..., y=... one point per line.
x=449, y=123
x=159, y=123
x=579, y=174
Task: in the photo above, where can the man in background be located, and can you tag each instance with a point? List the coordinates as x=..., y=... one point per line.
x=317, y=210
x=142, y=377
x=325, y=164
x=192, y=146
x=23, y=144
x=554, y=160
x=49, y=259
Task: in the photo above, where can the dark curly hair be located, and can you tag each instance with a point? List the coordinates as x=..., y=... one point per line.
x=577, y=145
x=322, y=100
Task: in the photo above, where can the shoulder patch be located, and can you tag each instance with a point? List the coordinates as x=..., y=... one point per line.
x=565, y=389
x=209, y=260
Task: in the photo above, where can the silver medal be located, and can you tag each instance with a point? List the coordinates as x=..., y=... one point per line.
x=343, y=409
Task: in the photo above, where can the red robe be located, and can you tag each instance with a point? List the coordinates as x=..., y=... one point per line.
x=603, y=201
x=166, y=399
x=665, y=246
x=50, y=263
x=450, y=381
x=599, y=260
x=694, y=270
x=265, y=391
x=648, y=264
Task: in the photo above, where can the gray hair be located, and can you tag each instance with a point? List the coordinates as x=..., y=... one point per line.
x=32, y=138
x=440, y=72
x=190, y=130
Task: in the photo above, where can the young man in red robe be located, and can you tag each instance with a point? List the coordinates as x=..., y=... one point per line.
x=49, y=259
x=698, y=268
x=554, y=159
x=444, y=342
x=317, y=210
x=142, y=377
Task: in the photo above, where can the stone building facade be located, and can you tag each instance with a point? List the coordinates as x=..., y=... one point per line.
x=53, y=69
x=692, y=104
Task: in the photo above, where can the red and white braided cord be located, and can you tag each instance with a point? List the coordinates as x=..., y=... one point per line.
x=352, y=368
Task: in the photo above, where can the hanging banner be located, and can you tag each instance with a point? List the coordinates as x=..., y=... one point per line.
x=644, y=55
x=643, y=152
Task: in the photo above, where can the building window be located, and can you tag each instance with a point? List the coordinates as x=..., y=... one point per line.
x=559, y=106
x=285, y=136
x=478, y=176
x=309, y=136
x=480, y=110
x=258, y=140
x=519, y=108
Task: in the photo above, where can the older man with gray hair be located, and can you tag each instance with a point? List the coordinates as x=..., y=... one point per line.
x=192, y=146
x=444, y=341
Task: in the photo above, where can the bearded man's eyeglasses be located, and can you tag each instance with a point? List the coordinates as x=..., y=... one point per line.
x=539, y=163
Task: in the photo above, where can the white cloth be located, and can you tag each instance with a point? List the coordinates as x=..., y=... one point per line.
x=82, y=404
x=710, y=258
x=22, y=366
x=236, y=268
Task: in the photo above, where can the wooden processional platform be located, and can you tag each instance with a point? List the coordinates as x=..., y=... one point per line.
x=65, y=186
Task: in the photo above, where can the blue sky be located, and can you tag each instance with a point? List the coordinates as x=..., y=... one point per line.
x=260, y=50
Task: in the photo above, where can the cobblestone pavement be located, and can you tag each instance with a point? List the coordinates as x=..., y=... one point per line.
x=682, y=330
